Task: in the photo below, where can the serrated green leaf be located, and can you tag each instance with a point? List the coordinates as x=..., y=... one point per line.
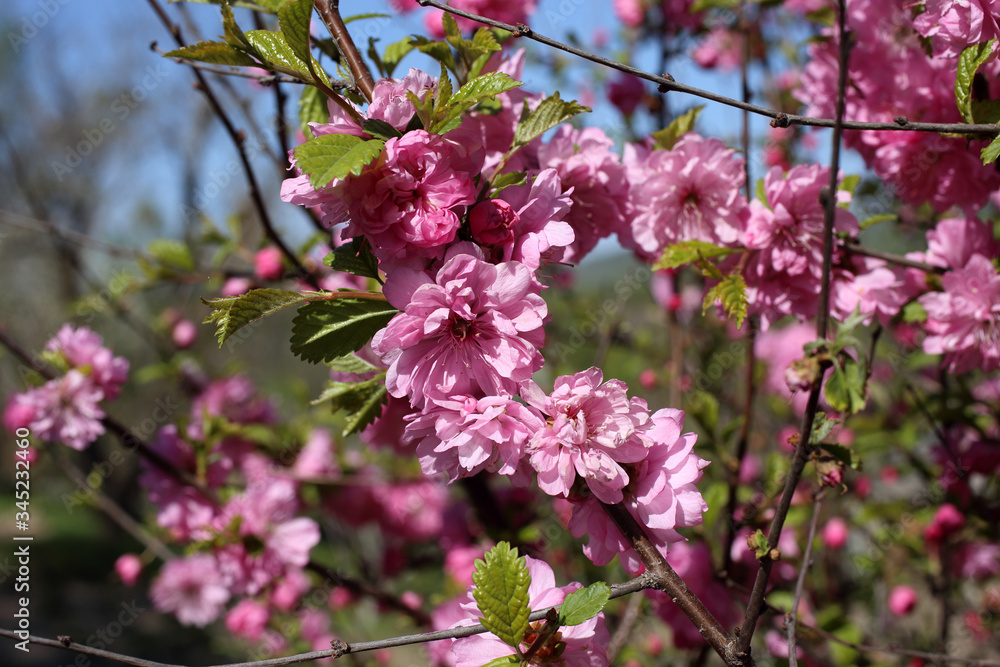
x=233, y=34
x=325, y=330
x=355, y=258
x=171, y=255
x=450, y=25
x=274, y=51
x=394, y=53
x=312, y=109
x=822, y=427
x=379, y=129
x=232, y=313
x=217, y=53
x=293, y=18
x=758, y=543
x=875, y=219
x=485, y=41
x=584, y=604
x=501, y=592
x=509, y=179
x=443, y=93
x=991, y=152
x=448, y=115
x=362, y=401
x=845, y=388
x=685, y=252
x=333, y=156
x=549, y=113
x=352, y=363
x=439, y=51
x=914, y=312
x=731, y=291
x=668, y=136
x=968, y=64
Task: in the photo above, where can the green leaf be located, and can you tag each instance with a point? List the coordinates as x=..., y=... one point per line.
x=845, y=388
x=472, y=93
x=352, y=363
x=450, y=25
x=968, y=63
x=991, y=152
x=685, y=252
x=171, y=255
x=325, y=330
x=234, y=35
x=363, y=17
x=379, y=129
x=355, y=258
x=845, y=455
x=668, y=136
x=849, y=184
x=362, y=401
x=501, y=592
x=875, y=219
x=266, y=6
x=986, y=111
x=549, y=113
x=333, y=156
x=757, y=542
x=274, y=51
x=507, y=180
x=217, y=53
x=394, y=53
x=732, y=292
x=502, y=661
x=485, y=41
x=822, y=427
x=312, y=109
x=701, y=5
x=293, y=18
x=761, y=192
x=914, y=312
x=584, y=604
x=439, y=51
x=232, y=313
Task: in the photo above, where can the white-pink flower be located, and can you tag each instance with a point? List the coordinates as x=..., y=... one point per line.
x=954, y=24
x=592, y=430
x=66, y=410
x=964, y=320
x=583, y=645
x=84, y=350
x=192, y=589
x=474, y=327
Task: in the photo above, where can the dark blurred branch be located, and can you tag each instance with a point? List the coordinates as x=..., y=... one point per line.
x=793, y=614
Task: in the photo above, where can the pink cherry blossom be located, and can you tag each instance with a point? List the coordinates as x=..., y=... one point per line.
x=594, y=177
x=191, y=588
x=473, y=327
x=541, y=232
x=492, y=222
x=835, y=533
x=662, y=496
x=593, y=428
x=626, y=92
x=954, y=241
x=268, y=263
x=692, y=192
x=964, y=319
x=978, y=561
x=235, y=399
x=586, y=644
x=390, y=103
x=902, y=600
x=66, y=410
x=84, y=350
x=128, y=567
x=954, y=24
x=463, y=435
x=248, y=619
x=317, y=457
x=184, y=334
x=630, y=12
x=499, y=10
x=721, y=47
x=874, y=288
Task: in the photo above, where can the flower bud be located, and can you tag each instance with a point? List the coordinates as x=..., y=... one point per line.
x=902, y=600
x=835, y=533
x=491, y=222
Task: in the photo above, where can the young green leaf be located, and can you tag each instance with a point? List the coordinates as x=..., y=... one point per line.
x=293, y=18
x=394, y=53
x=549, y=113
x=274, y=51
x=501, y=592
x=845, y=388
x=325, y=330
x=914, y=312
x=732, y=292
x=845, y=455
x=968, y=63
x=685, y=252
x=584, y=604
x=333, y=156
x=822, y=427
x=362, y=401
x=312, y=109
x=379, y=129
x=170, y=257
x=352, y=363
x=232, y=313
x=668, y=136
x=217, y=53
x=875, y=219
x=233, y=34
x=355, y=258
x=448, y=111
x=991, y=152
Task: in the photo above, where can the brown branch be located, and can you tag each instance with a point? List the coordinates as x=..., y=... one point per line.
x=664, y=578
x=793, y=615
x=741, y=447
x=239, y=139
x=329, y=11
x=667, y=83
x=856, y=249
x=756, y=603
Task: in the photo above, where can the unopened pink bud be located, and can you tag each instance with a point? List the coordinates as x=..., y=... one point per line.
x=835, y=533
x=492, y=221
x=902, y=600
x=184, y=334
x=267, y=263
x=128, y=567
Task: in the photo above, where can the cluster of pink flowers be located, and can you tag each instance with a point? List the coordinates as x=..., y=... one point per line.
x=67, y=409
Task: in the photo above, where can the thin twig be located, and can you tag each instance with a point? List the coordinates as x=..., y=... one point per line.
x=329, y=11
x=857, y=249
x=668, y=83
x=35, y=225
x=741, y=447
x=793, y=614
x=239, y=139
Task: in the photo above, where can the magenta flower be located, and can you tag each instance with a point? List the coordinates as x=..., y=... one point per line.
x=583, y=645
x=248, y=619
x=954, y=24
x=541, y=232
x=83, y=350
x=902, y=600
x=692, y=192
x=66, y=410
x=464, y=435
x=592, y=429
x=964, y=320
x=662, y=496
x=473, y=328
x=192, y=589
x=390, y=103
x=500, y=10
